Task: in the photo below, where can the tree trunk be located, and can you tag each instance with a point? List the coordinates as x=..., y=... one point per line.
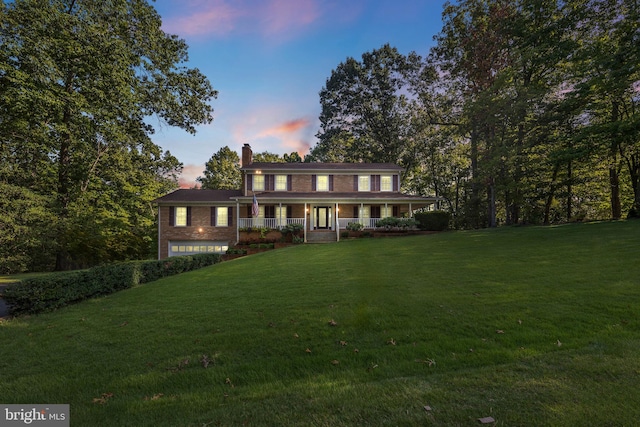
x=63, y=190
x=492, y=203
x=552, y=190
x=614, y=185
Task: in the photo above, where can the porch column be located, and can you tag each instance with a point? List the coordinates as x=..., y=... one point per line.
x=337, y=223
x=280, y=215
x=305, y=222
x=237, y=221
x=410, y=211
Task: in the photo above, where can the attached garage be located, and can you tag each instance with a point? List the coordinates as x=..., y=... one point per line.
x=191, y=247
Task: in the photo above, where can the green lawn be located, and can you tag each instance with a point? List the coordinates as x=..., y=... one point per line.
x=530, y=326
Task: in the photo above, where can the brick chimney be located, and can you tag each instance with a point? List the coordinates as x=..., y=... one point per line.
x=247, y=155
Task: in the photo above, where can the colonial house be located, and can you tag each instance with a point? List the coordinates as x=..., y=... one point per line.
x=321, y=197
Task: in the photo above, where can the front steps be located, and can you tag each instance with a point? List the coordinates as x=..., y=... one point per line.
x=321, y=236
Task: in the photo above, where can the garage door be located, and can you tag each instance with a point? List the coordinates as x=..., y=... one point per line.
x=186, y=247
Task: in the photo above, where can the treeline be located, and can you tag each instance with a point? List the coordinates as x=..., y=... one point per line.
x=524, y=111
x=79, y=82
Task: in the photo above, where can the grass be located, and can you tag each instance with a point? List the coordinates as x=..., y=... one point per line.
x=530, y=326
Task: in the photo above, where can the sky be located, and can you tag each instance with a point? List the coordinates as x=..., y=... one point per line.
x=269, y=59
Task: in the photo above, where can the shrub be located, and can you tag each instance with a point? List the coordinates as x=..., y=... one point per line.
x=52, y=291
x=433, y=221
x=400, y=223
x=354, y=226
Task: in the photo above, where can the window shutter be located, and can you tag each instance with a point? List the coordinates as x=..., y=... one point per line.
x=375, y=211
x=249, y=182
x=356, y=211
x=355, y=182
x=289, y=180
x=395, y=211
x=375, y=182
x=230, y=216
x=188, y=216
x=313, y=183
x=330, y=182
x=271, y=182
x=395, y=182
x=289, y=211
x=172, y=216
x=213, y=216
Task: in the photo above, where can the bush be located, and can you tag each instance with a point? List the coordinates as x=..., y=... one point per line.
x=400, y=223
x=433, y=221
x=354, y=226
x=50, y=292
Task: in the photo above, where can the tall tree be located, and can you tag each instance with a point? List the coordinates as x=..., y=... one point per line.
x=366, y=110
x=78, y=81
x=610, y=63
x=222, y=171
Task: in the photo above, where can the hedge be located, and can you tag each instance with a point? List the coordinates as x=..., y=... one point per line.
x=52, y=291
x=433, y=220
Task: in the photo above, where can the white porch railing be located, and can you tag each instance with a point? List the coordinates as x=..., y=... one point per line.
x=268, y=222
x=366, y=222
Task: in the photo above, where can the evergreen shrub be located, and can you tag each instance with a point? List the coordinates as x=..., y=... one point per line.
x=55, y=290
x=433, y=220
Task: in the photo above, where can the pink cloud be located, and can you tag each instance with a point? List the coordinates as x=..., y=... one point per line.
x=189, y=174
x=222, y=17
x=290, y=134
x=281, y=16
x=215, y=17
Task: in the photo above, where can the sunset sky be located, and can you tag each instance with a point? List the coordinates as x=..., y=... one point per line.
x=269, y=59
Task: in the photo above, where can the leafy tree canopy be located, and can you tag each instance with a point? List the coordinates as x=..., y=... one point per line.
x=79, y=81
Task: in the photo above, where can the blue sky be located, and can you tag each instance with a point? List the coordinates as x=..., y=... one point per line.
x=269, y=59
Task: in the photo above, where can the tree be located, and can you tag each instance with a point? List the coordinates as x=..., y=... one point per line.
x=222, y=171
x=294, y=157
x=267, y=157
x=78, y=80
x=365, y=109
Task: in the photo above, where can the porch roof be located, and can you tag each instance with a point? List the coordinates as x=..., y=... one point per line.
x=199, y=196
x=336, y=197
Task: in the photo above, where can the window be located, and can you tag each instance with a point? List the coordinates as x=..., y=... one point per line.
x=281, y=216
x=386, y=211
x=222, y=216
x=386, y=183
x=259, y=220
x=322, y=183
x=258, y=182
x=281, y=183
x=180, y=217
x=365, y=216
x=363, y=183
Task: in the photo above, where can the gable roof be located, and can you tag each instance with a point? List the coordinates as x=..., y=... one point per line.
x=322, y=167
x=199, y=195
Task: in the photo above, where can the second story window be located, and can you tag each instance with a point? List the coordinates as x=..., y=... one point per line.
x=322, y=183
x=180, y=217
x=386, y=183
x=258, y=182
x=364, y=183
x=281, y=183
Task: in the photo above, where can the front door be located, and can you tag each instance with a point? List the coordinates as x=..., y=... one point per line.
x=322, y=217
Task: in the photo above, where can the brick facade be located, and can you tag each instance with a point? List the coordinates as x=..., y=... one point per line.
x=342, y=201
